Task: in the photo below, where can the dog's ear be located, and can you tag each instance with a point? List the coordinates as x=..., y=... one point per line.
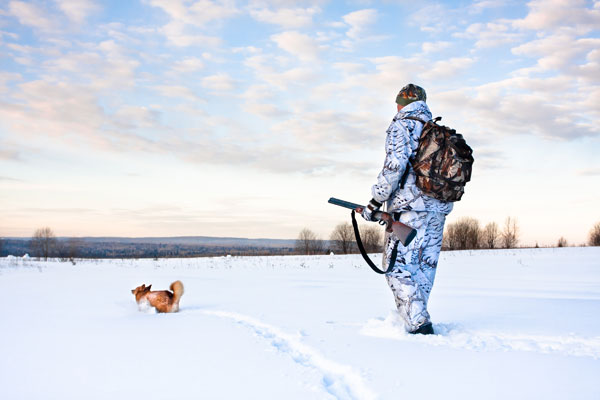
x=133, y=291
x=148, y=287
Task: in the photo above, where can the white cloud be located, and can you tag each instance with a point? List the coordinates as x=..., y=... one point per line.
x=220, y=82
x=6, y=77
x=265, y=110
x=197, y=13
x=287, y=18
x=188, y=64
x=186, y=19
x=77, y=10
x=481, y=5
x=300, y=76
x=492, y=34
x=359, y=21
x=104, y=65
x=563, y=52
x=434, y=47
x=178, y=91
x=177, y=34
x=298, y=44
x=11, y=35
x=133, y=117
x=254, y=93
x=551, y=14
x=447, y=68
x=31, y=15
x=523, y=106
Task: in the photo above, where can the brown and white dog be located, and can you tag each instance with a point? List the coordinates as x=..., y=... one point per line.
x=163, y=300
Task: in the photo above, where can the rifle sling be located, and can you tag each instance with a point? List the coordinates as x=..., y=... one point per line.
x=364, y=253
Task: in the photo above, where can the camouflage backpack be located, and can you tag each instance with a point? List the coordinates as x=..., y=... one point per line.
x=443, y=161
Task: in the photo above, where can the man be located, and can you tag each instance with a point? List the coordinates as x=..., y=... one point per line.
x=412, y=277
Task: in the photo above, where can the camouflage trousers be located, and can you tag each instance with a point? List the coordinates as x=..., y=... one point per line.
x=412, y=278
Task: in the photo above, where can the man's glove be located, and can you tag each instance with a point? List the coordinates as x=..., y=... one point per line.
x=368, y=211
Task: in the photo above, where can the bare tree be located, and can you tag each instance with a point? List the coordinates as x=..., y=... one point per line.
x=309, y=243
x=562, y=242
x=595, y=235
x=462, y=234
x=73, y=246
x=372, y=238
x=43, y=243
x=490, y=235
x=68, y=250
x=510, y=233
x=342, y=238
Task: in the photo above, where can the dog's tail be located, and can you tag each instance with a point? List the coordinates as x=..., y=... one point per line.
x=177, y=288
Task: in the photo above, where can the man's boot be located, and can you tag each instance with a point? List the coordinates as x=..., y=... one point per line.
x=425, y=329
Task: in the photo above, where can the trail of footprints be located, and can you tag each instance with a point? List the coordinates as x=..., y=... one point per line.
x=339, y=380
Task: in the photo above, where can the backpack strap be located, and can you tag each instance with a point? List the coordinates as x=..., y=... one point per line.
x=416, y=119
x=407, y=169
x=434, y=120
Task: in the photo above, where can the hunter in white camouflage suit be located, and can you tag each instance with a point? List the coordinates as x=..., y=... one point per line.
x=412, y=278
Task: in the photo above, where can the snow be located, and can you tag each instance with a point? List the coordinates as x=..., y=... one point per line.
x=516, y=324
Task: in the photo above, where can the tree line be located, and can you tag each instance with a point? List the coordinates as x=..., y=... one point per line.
x=341, y=240
x=464, y=234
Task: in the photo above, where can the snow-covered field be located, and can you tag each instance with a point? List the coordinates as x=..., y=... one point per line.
x=511, y=324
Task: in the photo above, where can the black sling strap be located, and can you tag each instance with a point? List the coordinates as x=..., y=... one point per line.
x=364, y=253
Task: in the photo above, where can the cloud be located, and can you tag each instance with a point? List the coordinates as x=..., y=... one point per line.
x=188, y=20
x=178, y=92
x=198, y=13
x=102, y=66
x=134, y=117
x=491, y=34
x=31, y=15
x=187, y=65
x=298, y=44
x=77, y=10
x=523, y=106
x=287, y=18
x=552, y=14
x=8, y=77
x=359, y=21
x=481, y=5
x=448, y=68
x=8, y=179
x=434, y=47
x=9, y=155
x=265, y=110
x=220, y=82
x=564, y=52
x=177, y=34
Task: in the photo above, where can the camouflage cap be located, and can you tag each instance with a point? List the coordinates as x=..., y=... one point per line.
x=410, y=93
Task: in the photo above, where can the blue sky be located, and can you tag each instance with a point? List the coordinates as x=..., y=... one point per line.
x=164, y=118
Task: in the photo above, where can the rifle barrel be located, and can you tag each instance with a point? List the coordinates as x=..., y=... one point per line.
x=343, y=203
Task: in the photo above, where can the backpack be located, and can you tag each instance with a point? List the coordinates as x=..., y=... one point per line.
x=443, y=161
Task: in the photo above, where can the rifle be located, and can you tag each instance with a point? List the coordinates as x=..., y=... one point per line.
x=404, y=233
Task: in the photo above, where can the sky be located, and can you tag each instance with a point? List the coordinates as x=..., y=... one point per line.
x=184, y=117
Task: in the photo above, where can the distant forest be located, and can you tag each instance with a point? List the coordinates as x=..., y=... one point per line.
x=67, y=248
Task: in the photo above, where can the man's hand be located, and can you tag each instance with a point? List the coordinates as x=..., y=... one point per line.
x=367, y=212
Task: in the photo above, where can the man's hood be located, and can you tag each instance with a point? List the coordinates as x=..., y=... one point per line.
x=417, y=109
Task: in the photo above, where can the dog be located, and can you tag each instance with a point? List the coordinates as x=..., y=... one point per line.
x=163, y=301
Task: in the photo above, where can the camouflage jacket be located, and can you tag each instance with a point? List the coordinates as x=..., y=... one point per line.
x=401, y=144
